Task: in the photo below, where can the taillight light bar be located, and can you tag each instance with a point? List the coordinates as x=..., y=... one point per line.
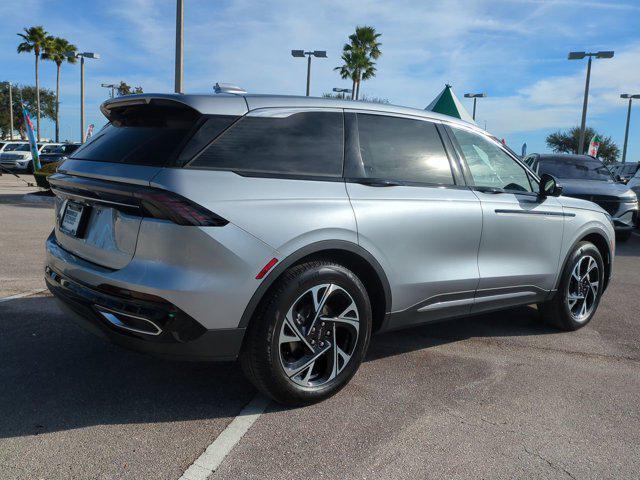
x=136, y=199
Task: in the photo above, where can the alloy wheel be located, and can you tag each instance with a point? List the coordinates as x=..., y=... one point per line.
x=319, y=335
x=583, y=288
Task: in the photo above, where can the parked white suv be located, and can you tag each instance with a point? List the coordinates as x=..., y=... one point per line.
x=17, y=155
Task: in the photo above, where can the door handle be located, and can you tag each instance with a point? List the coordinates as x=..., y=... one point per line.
x=372, y=182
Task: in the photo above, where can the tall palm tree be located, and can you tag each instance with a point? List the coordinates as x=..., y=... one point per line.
x=358, y=55
x=57, y=50
x=35, y=38
x=348, y=71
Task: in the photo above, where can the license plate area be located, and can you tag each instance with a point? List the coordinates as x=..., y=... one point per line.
x=74, y=219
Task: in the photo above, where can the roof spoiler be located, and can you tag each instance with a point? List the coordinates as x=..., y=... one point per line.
x=108, y=106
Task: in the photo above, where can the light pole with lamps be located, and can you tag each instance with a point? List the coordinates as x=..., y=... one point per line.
x=314, y=53
x=475, y=97
x=82, y=56
x=626, y=130
x=342, y=91
x=112, y=87
x=580, y=56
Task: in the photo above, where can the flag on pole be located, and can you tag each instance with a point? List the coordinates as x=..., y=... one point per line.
x=594, y=146
x=89, y=132
x=32, y=138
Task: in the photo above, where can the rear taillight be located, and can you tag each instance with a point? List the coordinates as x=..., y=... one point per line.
x=135, y=199
x=180, y=210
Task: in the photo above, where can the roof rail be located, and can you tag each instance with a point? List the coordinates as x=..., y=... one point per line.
x=228, y=88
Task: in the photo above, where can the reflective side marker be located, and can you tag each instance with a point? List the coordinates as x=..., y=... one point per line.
x=266, y=268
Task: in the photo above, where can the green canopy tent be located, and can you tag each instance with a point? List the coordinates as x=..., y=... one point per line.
x=448, y=104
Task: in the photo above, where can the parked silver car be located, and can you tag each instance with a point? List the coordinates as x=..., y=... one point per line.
x=286, y=230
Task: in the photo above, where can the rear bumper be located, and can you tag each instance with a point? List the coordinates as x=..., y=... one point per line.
x=182, y=340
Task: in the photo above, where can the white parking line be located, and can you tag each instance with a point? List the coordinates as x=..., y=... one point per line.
x=636, y=234
x=215, y=453
x=22, y=295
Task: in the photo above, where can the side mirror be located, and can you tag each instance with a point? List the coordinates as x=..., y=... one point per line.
x=549, y=187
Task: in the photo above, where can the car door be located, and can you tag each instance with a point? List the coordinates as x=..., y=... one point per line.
x=522, y=232
x=414, y=214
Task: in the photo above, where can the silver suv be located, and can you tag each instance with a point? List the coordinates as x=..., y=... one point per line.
x=285, y=231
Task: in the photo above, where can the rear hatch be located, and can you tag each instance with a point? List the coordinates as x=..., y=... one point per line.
x=103, y=190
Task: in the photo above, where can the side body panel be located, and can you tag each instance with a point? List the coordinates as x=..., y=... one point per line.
x=426, y=239
x=519, y=254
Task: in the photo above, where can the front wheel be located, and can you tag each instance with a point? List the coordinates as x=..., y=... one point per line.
x=581, y=286
x=310, y=336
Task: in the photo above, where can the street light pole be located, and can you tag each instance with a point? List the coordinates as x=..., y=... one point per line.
x=179, y=45
x=82, y=56
x=475, y=97
x=626, y=131
x=315, y=53
x=308, y=74
x=10, y=111
x=341, y=91
x=583, y=122
x=580, y=56
x=82, y=98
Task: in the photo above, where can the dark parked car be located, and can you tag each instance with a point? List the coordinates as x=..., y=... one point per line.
x=57, y=152
x=583, y=176
x=625, y=171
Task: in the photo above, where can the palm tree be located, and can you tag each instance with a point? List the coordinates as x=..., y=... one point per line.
x=358, y=55
x=58, y=50
x=35, y=38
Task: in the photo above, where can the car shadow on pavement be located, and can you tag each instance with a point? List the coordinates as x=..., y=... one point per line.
x=55, y=376
x=515, y=322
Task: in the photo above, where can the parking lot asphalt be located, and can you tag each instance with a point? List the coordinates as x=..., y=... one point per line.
x=492, y=396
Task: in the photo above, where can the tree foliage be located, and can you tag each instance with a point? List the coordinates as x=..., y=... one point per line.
x=358, y=57
x=28, y=95
x=124, y=89
x=567, y=142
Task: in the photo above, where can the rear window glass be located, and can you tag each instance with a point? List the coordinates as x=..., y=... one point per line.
x=579, y=169
x=305, y=143
x=402, y=149
x=141, y=135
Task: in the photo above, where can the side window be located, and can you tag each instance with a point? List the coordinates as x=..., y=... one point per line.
x=489, y=165
x=305, y=143
x=402, y=149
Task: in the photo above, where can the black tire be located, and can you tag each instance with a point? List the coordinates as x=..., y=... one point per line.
x=261, y=353
x=623, y=236
x=556, y=311
x=30, y=168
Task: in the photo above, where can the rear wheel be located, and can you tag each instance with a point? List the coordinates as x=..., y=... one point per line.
x=581, y=286
x=309, y=338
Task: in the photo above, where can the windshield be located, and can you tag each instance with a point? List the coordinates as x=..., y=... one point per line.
x=579, y=169
x=17, y=147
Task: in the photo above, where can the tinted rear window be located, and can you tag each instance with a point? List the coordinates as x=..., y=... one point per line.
x=305, y=143
x=582, y=169
x=141, y=135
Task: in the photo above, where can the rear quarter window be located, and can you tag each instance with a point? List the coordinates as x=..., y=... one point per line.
x=303, y=143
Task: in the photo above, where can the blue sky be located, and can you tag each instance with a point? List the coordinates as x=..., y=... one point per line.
x=515, y=51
